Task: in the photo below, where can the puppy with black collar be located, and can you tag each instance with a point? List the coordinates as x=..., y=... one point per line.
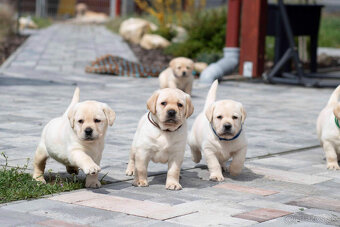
x=218, y=133
x=161, y=136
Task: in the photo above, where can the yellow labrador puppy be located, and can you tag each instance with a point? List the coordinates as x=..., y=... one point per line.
x=328, y=129
x=161, y=136
x=217, y=132
x=75, y=139
x=178, y=75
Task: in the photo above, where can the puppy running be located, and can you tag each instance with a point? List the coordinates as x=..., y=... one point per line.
x=328, y=129
x=218, y=133
x=75, y=139
x=178, y=75
x=161, y=136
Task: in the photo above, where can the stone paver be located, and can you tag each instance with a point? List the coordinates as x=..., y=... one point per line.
x=262, y=215
x=285, y=169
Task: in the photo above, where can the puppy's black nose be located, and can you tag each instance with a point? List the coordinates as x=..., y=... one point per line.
x=184, y=73
x=171, y=113
x=88, y=131
x=227, y=127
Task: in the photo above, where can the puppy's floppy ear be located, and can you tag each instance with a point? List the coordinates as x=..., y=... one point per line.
x=244, y=114
x=70, y=116
x=189, y=108
x=172, y=63
x=209, y=112
x=151, y=103
x=110, y=114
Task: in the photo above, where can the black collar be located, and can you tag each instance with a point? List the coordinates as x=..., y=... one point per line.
x=157, y=126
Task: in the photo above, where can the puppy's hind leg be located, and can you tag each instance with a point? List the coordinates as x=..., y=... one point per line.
x=39, y=164
x=131, y=165
x=196, y=154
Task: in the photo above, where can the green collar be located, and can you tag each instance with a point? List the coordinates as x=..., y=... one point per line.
x=337, y=122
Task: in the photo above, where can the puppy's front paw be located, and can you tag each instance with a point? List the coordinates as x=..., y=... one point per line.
x=129, y=172
x=140, y=183
x=333, y=166
x=92, y=169
x=173, y=186
x=216, y=177
x=92, y=183
x=39, y=178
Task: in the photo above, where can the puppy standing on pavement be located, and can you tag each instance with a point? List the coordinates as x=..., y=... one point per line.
x=328, y=129
x=217, y=132
x=75, y=139
x=161, y=136
x=178, y=75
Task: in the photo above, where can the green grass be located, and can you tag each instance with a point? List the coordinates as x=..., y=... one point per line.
x=17, y=184
x=329, y=34
x=42, y=22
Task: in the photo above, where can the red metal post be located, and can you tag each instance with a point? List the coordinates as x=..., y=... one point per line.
x=253, y=34
x=118, y=8
x=233, y=23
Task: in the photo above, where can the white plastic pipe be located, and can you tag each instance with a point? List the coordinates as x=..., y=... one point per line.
x=222, y=67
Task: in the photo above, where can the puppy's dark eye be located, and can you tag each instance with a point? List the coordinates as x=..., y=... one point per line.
x=180, y=105
x=80, y=121
x=163, y=103
x=97, y=120
x=219, y=117
x=235, y=117
x=188, y=67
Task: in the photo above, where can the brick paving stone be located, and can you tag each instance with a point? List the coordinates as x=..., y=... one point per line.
x=144, y=208
x=241, y=188
x=263, y=214
x=318, y=202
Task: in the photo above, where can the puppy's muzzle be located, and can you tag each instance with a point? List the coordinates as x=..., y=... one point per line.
x=184, y=73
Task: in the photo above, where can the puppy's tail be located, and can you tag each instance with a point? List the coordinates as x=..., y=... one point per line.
x=74, y=101
x=211, y=97
x=333, y=100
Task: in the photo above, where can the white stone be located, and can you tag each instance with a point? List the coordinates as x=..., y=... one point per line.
x=152, y=41
x=133, y=29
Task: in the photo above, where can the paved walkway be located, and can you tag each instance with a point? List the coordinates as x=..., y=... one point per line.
x=285, y=180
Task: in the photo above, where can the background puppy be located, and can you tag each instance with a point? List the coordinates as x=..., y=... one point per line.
x=218, y=133
x=178, y=75
x=75, y=139
x=328, y=129
x=161, y=136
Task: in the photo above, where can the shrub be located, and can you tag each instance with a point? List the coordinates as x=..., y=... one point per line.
x=206, y=35
x=165, y=32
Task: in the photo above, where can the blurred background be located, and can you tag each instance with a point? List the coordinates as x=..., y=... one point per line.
x=192, y=28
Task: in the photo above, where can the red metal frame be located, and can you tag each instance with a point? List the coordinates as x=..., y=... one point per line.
x=233, y=23
x=253, y=34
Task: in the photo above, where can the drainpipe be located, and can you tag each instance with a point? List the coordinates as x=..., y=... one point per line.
x=231, y=52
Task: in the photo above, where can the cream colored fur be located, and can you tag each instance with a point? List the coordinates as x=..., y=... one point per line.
x=165, y=144
x=328, y=132
x=178, y=75
x=65, y=140
x=202, y=138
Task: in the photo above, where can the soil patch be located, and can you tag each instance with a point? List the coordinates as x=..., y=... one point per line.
x=10, y=45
